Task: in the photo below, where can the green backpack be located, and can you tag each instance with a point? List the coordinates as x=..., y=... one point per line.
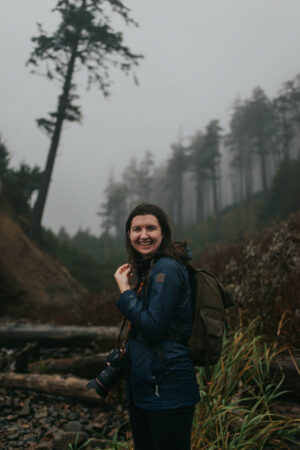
x=210, y=299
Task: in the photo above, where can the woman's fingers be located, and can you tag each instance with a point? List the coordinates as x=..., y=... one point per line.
x=122, y=276
x=123, y=270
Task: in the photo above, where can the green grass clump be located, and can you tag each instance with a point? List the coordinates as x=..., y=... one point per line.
x=236, y=410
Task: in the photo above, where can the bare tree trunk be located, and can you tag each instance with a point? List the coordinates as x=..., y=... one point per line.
x=180, y=200
x=248, y=176
x=46, y=179
x=241, y=183
x=62, y=106
x=241, y=175
x=263, y=168
x=286, y=138
x=215, y=191
x=199, y=201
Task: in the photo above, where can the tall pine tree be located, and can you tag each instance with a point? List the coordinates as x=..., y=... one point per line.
x=85, y=39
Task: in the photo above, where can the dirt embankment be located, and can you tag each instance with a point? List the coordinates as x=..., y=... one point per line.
x=32, y=282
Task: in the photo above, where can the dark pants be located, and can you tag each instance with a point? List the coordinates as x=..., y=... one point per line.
x=162, y=430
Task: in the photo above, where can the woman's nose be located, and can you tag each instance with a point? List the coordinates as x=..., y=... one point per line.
x=143, y=233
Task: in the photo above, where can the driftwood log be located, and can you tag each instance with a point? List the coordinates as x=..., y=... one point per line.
x=51, y=384
x=50, y=336
x=84, y=367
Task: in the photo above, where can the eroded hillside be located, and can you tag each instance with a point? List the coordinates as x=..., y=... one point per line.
x=31, y=281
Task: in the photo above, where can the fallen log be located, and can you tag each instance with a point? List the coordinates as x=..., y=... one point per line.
x=51, y=384
x=84, y=367
x=55, y=336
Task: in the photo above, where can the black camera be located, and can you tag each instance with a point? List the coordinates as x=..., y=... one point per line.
x=116, y=364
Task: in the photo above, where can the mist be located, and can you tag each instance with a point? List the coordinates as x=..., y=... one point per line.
x=199, y=57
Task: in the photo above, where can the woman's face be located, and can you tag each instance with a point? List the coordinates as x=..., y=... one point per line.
x=145, y=234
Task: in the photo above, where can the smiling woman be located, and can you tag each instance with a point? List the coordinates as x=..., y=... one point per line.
x=156, y=299
x=145, y=234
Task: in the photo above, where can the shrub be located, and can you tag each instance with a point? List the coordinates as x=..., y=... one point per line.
x=263, y=274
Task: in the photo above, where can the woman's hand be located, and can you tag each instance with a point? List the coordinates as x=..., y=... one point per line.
x=122, y=275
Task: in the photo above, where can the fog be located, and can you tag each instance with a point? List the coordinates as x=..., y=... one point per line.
x=200, y=55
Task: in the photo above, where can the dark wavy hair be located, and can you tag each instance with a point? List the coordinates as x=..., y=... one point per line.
x=168, y=247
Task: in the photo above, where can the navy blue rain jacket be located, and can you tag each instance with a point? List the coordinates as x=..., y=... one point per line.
x=162, y=375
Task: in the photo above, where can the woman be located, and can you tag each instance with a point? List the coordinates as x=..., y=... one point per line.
x=162, y=384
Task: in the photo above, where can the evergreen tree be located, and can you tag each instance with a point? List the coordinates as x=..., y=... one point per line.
x=211, y=156
x=145, y=174
x=114, y=209
x=4, y=158
x=130, y=181
x=283, y=196
x=287, y=105
x=137, y=177
x=291, y=91
x=84, y=38
x=176, y=168
x=19, y=184
x=239, y=142
x=63, y=235
x=261, y=128
x=285, y=125
x=198, y=167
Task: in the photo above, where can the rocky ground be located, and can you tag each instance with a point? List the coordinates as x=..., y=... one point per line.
x=36, y=421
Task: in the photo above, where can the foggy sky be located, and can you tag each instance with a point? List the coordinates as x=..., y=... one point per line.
x=200, y=55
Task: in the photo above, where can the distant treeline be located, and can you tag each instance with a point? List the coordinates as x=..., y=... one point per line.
x=212, y=169
x=92, y=260
x=17, y=184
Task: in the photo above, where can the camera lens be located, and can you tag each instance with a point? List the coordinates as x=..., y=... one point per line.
x=104, y=381
x=106, y=378
x=93, y=384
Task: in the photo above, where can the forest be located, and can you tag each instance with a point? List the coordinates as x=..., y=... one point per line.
x=232, y=194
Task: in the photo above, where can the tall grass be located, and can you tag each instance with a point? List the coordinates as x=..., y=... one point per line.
x=236, y=410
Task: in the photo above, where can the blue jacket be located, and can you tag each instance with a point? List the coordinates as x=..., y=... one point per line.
x=161, y=375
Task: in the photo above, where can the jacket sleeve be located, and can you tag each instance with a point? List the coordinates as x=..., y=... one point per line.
x=164, y=290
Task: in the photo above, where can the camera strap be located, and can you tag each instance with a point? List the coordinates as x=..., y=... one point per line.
x=119, y=343
x=125, y=322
